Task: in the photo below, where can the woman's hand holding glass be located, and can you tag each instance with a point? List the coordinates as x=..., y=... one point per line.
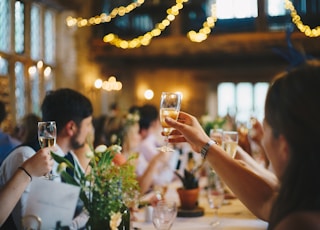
x=169, y=107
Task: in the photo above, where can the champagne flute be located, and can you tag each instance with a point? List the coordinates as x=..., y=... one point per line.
x=215, y=195
x=164, y=214
x=169, y=107
x=230, y=142
x=47, y=134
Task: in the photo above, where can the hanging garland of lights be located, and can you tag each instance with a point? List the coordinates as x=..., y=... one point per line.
x=207, y=26
x=172, y=12
x=296, y=19
x=145, y=39
x=103, y=18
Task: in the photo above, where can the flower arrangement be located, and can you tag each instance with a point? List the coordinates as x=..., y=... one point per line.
x=108, y=189
x=125, y=122
x=208, y=123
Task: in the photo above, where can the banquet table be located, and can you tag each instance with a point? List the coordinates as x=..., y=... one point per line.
x=233, y=215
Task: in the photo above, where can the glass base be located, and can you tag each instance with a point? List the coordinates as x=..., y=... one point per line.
x=165, y=149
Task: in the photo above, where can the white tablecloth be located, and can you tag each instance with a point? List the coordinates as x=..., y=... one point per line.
x=233, y=215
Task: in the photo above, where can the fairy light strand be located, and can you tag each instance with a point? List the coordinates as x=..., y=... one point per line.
x=172, y=13
x=103, y=18
x=146, y=38
x=296, y=19
x=206, y=27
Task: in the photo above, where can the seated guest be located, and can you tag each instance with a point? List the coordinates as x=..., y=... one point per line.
x=36, y=166
x=7, y=142
x=72, y=113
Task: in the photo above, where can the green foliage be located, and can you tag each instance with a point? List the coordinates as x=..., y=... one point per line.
x=107, y=186
x=189, y=179
x=215, y=124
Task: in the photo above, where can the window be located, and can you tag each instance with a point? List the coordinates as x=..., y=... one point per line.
x=227, y=9
x=242, y=100
x=35, y=32
x=49, y=36
x=20, y=90
x=4, y=66
x=5, y=25
x=34, y=82
x=32, y=21
x=19, y=27
x=276, y=8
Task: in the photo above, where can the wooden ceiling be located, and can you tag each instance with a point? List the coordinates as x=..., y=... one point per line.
x=259, y=46
x=64, y=4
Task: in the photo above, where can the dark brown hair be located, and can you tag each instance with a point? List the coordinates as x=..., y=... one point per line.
x=292, y=110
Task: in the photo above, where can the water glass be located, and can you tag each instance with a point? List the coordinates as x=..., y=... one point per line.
x=164, y=214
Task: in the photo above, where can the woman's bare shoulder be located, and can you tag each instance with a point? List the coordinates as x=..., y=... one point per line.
x=300, y=220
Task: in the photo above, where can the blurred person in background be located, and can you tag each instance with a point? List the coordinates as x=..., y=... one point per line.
x=7, y=142
x=28, y=131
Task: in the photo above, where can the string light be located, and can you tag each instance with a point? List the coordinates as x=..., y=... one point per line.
x=296, y=19
x=103, y=18
x=206, y=29
x=145, y=39
x=172, y=13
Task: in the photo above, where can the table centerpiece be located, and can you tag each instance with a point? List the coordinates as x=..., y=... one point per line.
x=108, y=190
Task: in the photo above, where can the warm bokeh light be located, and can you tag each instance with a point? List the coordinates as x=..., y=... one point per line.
x=47, y=72
x=148, y=94
x=32, y=70
x=39, y=64
x=110, y=85
x=98, y=83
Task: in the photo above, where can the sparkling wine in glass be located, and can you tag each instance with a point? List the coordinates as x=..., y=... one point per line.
x=230, y=142
x=170, y=104
x=47, y=134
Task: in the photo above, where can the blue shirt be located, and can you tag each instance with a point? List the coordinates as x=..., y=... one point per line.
x=7, y=144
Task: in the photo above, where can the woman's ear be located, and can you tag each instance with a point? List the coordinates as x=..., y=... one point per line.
x=284, y=150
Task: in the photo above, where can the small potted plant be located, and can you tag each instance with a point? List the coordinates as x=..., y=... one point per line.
x=189, y=191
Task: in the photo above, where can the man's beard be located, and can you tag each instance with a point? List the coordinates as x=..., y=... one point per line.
x=75, y=143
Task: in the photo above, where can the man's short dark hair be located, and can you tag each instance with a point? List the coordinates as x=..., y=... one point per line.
x=64, y=105
x=148, y=114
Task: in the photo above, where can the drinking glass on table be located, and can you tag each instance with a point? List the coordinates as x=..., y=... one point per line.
x=164, y=214
x=215, y=195
x=230, y=142
x=47, y=134
x=169, y=107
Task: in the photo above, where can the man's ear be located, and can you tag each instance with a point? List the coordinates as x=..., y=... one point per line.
x=71, y=128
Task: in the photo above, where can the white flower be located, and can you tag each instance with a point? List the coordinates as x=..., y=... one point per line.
x=62, y=167
x=89, y=154
x=115, y=148
x=101, y=149
x=115, y=220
